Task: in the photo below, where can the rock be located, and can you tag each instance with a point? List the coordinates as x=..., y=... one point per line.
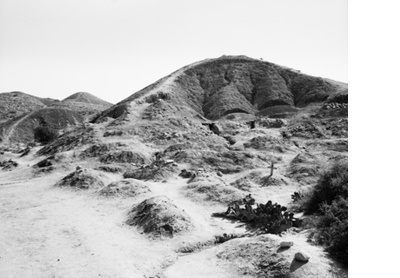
x=286, y=244
x=219, y=174
x=302, y=257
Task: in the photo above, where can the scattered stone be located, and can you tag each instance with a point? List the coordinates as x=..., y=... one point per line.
x=302, y=257
x=186, y=174
x=44, y=163
x=286, y=244
x=8, y=164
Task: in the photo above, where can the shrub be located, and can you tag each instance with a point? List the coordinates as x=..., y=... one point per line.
x=44, y=134
x=329, y=198
x=331, y=185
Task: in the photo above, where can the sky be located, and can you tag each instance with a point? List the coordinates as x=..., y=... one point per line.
x=113, y=48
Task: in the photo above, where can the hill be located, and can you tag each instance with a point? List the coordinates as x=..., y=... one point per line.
x=21, y=129
x=85, y=104
x=14, y=104
x=86, y=98
x=214, y=88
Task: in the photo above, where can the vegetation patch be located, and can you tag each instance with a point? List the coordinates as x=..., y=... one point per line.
x=329, y=199
x=44, y=134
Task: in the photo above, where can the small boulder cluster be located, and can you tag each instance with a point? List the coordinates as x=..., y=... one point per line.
x=307, y=130
x=274, y=218
x=334, y=105
x=8, y=164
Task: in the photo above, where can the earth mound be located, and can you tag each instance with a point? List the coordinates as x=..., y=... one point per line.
x=305, y=167
x=213, y=193
x=159, y=216
x=126, y=187
x=83, y=179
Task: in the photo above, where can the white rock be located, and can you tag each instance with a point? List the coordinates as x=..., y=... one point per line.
x=285, y=244
x=302, y=257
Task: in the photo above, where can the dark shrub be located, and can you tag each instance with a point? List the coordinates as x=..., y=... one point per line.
x=332, y=185
x=44, y=134
x=329, y=198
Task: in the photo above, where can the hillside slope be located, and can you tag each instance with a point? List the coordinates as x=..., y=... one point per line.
x=21, y=129
x=14, y=104
x=214, y=88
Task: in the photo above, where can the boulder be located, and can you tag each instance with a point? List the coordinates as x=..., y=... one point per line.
x=301, y=257
x=286, y=244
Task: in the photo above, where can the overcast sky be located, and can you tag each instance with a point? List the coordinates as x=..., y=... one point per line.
x=113, y=48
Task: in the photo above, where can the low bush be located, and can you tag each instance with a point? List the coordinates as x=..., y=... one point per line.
x=44, y=134
x=329, y=199
x=332, y=185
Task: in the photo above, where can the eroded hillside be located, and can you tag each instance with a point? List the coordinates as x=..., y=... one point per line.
x=168, y=170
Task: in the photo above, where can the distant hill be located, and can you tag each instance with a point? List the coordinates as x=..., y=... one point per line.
x=84, y=103
x=21, y=129
x=14, y=104
x=88, y=98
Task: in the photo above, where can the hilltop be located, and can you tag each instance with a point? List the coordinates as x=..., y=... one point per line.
x=88, y=98
x=85, y=104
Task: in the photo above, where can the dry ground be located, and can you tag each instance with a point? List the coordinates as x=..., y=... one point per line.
x=48, y=231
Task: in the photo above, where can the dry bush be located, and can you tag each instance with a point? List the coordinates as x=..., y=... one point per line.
x=329, y=199
x=44, y=134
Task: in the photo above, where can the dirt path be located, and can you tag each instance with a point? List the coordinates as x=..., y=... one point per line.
x=12, y=128
x=55, y=232
x=47, y=231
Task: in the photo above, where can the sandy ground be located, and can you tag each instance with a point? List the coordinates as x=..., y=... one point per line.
x=48, y=231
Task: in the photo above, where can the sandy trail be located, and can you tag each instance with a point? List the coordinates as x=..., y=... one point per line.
x=55, y=232
x=10, y=131
x=47, y=231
